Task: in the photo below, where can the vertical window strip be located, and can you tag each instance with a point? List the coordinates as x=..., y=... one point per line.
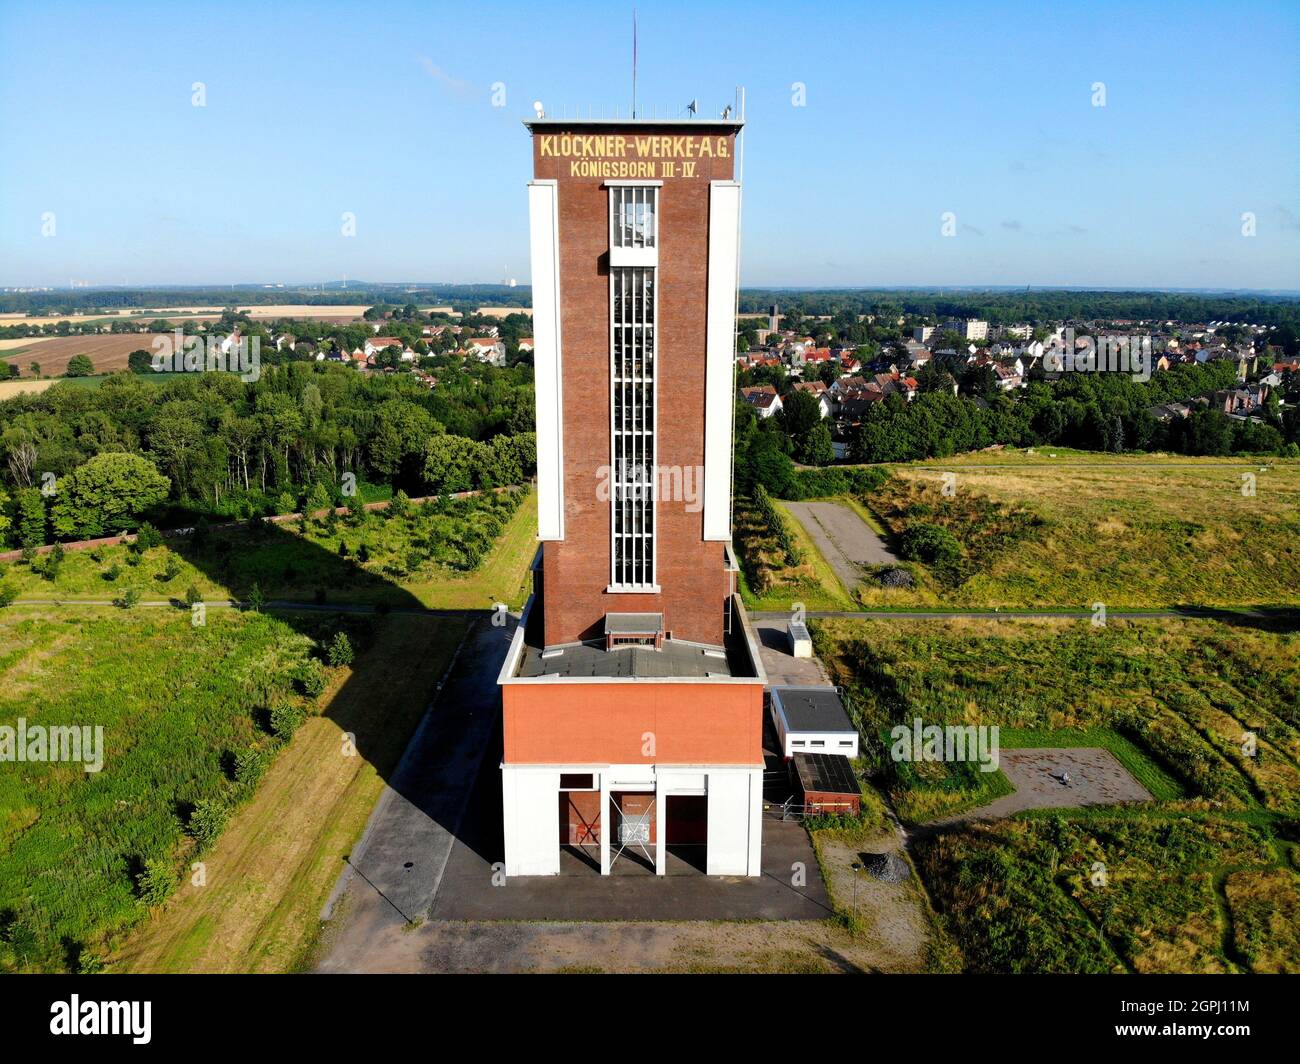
x=632, y=365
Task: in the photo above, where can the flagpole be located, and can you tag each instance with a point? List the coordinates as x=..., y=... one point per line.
x=634, y=62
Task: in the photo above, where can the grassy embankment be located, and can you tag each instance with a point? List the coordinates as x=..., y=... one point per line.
x=1036, y=531
x=1202, y=879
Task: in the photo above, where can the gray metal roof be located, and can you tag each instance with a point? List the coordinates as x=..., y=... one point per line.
x=686, y=660
x=634, y=623
x=813, y=709
x=828, y=773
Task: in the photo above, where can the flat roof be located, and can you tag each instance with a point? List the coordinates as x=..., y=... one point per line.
x=828, y=773
x=552, y=123
x=812, y=709
x=675, y=659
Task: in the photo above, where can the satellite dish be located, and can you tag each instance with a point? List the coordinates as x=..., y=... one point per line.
x=693, y=107
x=538, y=109
x=726, y=111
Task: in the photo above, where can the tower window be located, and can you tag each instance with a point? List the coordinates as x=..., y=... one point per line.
x=632, y=425
x=635, y=216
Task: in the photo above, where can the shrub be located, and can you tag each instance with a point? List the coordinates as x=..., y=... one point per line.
x=930, y=544
x=208, y=819
x=156, y=881
x=255, y=600
x=340, y=650
x=129, y=599
x=776, y=525
x=250, y=764
x=311, y=678
x=171, y=569
x=147, y=537
x=8, y=593
x=192, y=596
x=112, y=572
x=286, y=716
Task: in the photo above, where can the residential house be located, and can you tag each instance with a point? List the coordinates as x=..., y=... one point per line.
x=762, y=398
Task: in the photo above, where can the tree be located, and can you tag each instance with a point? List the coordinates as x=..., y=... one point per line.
x=340, y=651
x=450, y=463
x=31, y=518
x=107, y=493
x=800, y=411
x=80, y=366
x=820, y=449
x=140, y=361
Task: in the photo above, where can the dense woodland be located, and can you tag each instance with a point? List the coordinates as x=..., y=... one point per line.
x=212, y=446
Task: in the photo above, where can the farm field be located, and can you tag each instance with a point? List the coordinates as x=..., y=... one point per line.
x=466, y=554
x=344, y=311
x=1199, y=879
x=1137, y=531
x=16, y=343
x=107, y=353
x=8, y=389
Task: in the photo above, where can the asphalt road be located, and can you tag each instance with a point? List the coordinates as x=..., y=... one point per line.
x=845, y=540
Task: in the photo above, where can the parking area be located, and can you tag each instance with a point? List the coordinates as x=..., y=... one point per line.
x=846, y=541
x=790, y=887
x=1095, y=777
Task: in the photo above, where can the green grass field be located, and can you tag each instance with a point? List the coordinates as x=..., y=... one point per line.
x=175, y=702
x=194, y=722
x=1181, y=695
x=1098, y=893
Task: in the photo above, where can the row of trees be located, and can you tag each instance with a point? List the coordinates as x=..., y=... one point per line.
x=1098, y=411
x=1008, y=307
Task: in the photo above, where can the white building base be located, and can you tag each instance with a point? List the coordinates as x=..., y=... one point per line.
x=734, y=793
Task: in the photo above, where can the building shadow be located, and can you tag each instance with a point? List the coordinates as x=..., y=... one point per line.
x=430, y=759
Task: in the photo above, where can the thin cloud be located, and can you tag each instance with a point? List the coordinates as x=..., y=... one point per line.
x=1286, y=219
x=457, y=85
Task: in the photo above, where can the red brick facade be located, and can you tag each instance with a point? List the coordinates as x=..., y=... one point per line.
x=690, y=571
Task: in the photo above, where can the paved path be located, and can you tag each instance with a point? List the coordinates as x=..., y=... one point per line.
x=396, y=869
x=1284, y=613
x=782, y=667
x=845, y=540
x=1096, y=778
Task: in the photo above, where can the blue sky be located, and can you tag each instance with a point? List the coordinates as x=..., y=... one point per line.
x=384, y=110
